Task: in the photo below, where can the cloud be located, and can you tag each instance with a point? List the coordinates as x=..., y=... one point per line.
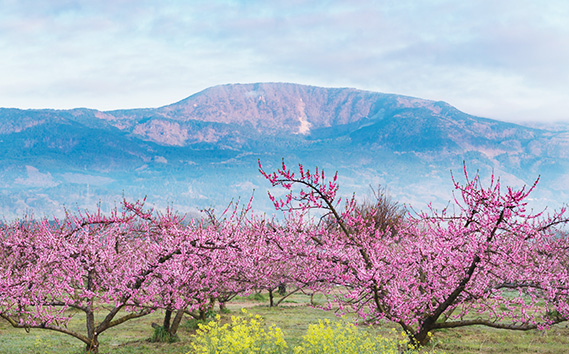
x=191, y=193
x=80, y=178
x=246, y=186
x=36, y=179
x=501, y=59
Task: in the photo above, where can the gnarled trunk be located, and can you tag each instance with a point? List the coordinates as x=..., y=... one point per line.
x=271, y=298
x=167, y=317
x=176, y=322
x=282, y=289
x=93, y=345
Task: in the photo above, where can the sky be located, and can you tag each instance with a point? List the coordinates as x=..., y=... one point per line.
x=501, y=59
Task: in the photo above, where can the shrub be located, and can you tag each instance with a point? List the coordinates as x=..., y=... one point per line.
x=242, y=335
x=249, y=335
x=161, y=335
x=194, y=323
x=344, y=337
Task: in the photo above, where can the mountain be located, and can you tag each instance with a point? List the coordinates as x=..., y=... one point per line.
x=203, y=150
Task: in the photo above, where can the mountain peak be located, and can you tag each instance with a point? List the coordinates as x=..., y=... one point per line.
x=204, y=149
x=272, y=107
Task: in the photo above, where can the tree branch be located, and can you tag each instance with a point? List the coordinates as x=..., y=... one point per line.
x=44, y=325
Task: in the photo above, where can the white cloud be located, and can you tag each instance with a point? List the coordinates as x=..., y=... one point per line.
x=160, y=159
x=80, y=178
x=192, y=194
x=246, y=186
x=36, y=179
x=502, y=59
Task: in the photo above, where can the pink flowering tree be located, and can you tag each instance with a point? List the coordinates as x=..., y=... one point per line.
x=265, y=261
x=181, y=279
x=92, y=263
x=485, y=260
x=216, y=261
x=250, y=262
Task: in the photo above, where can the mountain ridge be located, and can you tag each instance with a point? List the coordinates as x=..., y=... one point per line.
x=215, y=137
x=298, y=109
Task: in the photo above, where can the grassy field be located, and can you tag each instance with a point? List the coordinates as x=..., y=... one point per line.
x=293, y=317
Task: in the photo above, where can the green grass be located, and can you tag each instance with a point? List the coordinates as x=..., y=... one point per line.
x=293, y=318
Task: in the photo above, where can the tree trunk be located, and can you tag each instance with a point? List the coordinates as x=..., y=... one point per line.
x=93, y=346
x=282, y=289
x=203, y=314
x=271, y=300
x=167, y=318
x=419, y=339
x=176, y=322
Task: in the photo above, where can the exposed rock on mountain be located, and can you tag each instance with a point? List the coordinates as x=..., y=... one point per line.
x=203, y=150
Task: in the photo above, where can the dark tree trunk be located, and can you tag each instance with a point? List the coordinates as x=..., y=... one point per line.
x=203, y=313
x=93, y=346
x=176, y=322
x=282, y=289
x=271, y=300
x=167, y=318
x=419, y=339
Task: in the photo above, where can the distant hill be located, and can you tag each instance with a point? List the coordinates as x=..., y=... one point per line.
x=203, y=150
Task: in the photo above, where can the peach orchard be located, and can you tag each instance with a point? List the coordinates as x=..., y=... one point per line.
x=486, y=259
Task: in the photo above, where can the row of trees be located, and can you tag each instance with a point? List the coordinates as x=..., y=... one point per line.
x=490, y=261
x=123, y=266
x=484, y=260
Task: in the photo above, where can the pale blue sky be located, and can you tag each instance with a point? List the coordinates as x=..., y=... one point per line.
x=500, y=59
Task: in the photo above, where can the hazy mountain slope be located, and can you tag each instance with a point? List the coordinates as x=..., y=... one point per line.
x=203, y=150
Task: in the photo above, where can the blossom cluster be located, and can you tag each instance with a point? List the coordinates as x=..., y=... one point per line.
x=485, y=260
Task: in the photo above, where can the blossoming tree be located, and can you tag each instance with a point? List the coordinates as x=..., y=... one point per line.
x=82, y=263
x=121, y=266
x=485, y=260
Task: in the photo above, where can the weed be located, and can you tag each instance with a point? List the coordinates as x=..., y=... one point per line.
x=242, y=335
x=193, y=324
x=224, y=310
x=161, y=335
